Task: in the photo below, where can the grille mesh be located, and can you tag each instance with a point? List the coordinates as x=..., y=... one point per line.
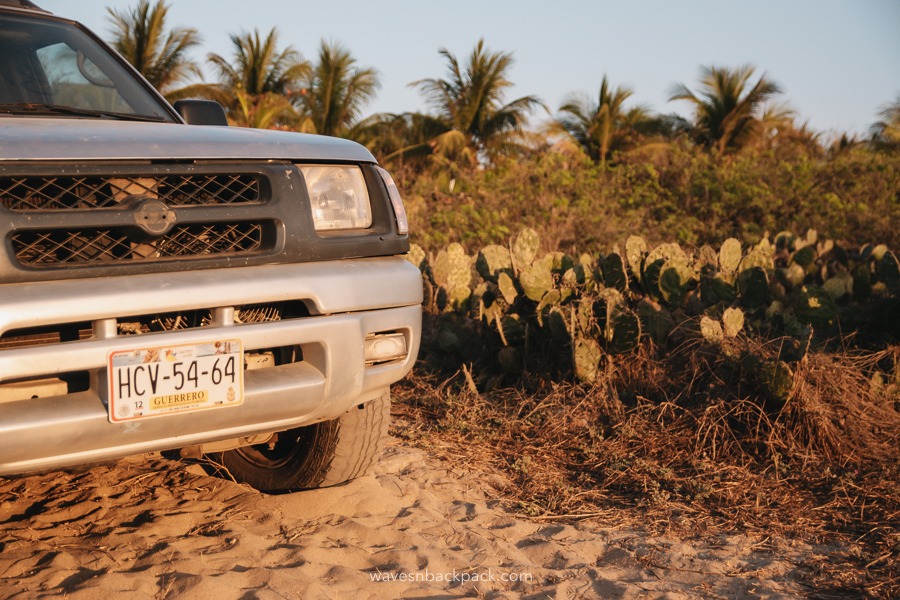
x=94, y=191
x=52, y=248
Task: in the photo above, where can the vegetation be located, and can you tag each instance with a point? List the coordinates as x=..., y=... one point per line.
x=622, y=313
x=256, y=84
x=738, y=388
x=334, y=91
x=470, y=125
x=140, y=36
x=683, y=194
x=886, y=132
x=604, y=126
x=471, y=122
x=727, y=112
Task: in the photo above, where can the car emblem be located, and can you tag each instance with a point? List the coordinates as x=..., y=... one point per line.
x=151, y=215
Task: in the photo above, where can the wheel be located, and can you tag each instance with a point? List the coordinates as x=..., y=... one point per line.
x=315, y=456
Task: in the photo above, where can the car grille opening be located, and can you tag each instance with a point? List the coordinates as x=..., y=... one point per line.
x=56, y=247
x=99, y=191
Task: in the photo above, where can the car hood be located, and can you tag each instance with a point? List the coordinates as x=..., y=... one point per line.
x=40, y=139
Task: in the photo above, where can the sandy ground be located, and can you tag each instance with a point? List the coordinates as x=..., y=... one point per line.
x=146, y=527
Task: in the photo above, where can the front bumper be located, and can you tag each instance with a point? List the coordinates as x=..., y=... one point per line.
x=347, y=301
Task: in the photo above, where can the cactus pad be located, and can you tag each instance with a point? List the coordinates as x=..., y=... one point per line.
x=815, y=307
x=614, y=274
x=416, y=255
x=635, y=251
x=586, y=356
x=536, y=280
x=730, y=255
x=493, y=260
x=732, y=322
x=453, y=272
x=711, y=330
x=525, y=248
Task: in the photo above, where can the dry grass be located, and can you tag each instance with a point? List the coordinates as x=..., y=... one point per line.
x=684, y=444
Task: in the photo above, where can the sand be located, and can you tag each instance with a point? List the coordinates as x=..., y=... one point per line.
x=148, y=527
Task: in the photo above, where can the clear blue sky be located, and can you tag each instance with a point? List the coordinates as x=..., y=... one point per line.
x=838, y=61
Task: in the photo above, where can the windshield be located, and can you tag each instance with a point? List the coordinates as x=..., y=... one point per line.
x=48, y=66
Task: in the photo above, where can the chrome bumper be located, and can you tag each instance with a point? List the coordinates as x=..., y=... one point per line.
x=348, y=301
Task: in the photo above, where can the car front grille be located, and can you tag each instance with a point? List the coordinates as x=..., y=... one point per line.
x=92, y=219
x=60, y=247
x=99, y=191
x=66, y=216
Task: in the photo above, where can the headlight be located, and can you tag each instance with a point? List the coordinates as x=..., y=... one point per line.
x=338, y=196
x=396, y=201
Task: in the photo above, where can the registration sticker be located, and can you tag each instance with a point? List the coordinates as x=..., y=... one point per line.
x=162, y=380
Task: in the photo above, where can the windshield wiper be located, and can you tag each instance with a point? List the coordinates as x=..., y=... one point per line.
x=56, y=109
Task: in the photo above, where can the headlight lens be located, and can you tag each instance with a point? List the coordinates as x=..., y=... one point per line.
x=396, y=201
x=338, y=196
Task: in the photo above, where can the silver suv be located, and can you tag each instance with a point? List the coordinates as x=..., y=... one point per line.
x=170, y=282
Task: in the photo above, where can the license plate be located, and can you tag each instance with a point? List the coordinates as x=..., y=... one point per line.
x=162, y=380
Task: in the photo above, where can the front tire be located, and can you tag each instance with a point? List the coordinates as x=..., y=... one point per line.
x=315, y=456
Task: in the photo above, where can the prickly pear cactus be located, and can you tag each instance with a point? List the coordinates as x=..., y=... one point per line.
x=757, y=258
x=655, y=320
x=511, y=360
x=889, y=271
x=730, y=255
x=665, y=252
x=586, y=355
x=795, y=274
x=840, y=285
x=812, y=236
x=492, y=305
x=614, y=275
x=862, y=283
x=878, y=252
x=492, y=261
x=556, y=323
x=716, y=289
x=619, y=326
x=815, y=306
x=675, y=279
x=623, y=331
x=536, y=280
x=706, y=256
x=777, y=381
x=452, y=271
x=512, y=330
x=711, y=330
x=732, y=322
x=753, y=288
x=579, y=274
x=805, y=256
x=635, y=251
x=416, y=255
x=525, y=248
x=507, y=288
x=784, y=241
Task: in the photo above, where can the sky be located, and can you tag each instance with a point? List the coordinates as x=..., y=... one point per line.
x=837, y=61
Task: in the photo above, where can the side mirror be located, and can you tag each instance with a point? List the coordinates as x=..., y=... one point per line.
x=201, y=112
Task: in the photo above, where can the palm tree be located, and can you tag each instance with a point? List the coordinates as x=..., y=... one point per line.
x=470, y=121
x=727, y=109
x=604, y=125
x=258, y=67
x=401, y=139
x=886, y=132
x=264, y=111
x=256, y=85
x=140, y=36
x=334, y=91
